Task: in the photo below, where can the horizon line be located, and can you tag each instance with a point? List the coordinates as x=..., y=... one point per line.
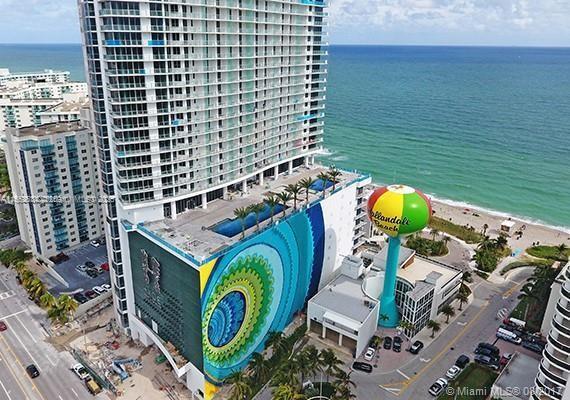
x=355, y=44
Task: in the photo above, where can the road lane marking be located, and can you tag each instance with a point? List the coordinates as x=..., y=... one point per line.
x=5, y=391
x=11, y=315
x=444, y=351
x=26, y=329
x=74, y=392
x=395, y=392
x=25, y=348
x=21, y=366
x=404, y=375
x=50, y=360
x=60, y=398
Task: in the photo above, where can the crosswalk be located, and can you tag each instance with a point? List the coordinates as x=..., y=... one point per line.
x=7, y=294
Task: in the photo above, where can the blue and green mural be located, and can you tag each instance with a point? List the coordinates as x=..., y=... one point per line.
x=256, y=288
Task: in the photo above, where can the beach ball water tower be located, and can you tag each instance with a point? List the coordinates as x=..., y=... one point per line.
x=398, y=211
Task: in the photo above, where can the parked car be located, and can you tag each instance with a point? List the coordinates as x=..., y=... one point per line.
x=370, y=352
x=487, y=361
x=387, y=342
x=105, y=266
x=508, y=336
x=462, y=361
x=453, y=372
x=33, y=371
x=81, y=268
x=494, y=349
x=534, y=346
x=360, y=366
x=438, y=387
x=80, y=298
x=59, y=258
x=89, y=264
x=90, y=294
x=483, y=351
x=3, y=326
x=98, y=289
x=80, y=371
x=416, y=347
x=92, y=273
x=397, y=346
x=505, y=358
x=95, y=243
x=93, y=387
x=106, y=286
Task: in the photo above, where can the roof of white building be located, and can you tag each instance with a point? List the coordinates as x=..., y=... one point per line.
x=47, y=129
x=519, y=373
x=344, y=297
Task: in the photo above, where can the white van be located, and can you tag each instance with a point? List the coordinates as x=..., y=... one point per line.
x=508, y=336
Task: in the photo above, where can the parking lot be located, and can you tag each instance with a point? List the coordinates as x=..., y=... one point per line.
x=79, y=281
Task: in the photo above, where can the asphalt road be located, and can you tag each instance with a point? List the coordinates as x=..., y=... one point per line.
x=23, y=343
x=477, y=323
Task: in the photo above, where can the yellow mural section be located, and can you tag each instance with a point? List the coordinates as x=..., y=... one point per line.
x=205, y=271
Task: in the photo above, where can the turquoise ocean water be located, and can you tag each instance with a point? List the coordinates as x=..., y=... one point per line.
x=489, y=127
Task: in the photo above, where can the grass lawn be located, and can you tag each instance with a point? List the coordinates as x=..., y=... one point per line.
x=459, y=231
x=474, y=377
x=534, y=315
x=549, y=252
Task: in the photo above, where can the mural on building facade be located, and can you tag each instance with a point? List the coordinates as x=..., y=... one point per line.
x=256, y=288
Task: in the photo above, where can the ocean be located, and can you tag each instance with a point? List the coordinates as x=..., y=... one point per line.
x=480, y=126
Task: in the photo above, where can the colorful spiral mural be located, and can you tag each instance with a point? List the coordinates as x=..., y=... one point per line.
x=256, y=288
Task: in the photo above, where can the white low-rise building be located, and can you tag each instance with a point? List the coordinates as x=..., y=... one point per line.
x=342, y=311
x=423, y=288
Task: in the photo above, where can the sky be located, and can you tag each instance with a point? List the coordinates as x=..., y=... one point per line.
x=421, y=22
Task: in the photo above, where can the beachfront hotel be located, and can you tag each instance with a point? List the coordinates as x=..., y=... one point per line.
x=552, y=379
x=200, y=108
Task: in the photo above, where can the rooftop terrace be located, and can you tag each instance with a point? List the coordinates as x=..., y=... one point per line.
x=192, y=231
x=48, y=129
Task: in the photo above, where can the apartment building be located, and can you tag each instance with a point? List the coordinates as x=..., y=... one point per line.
x=54, y=185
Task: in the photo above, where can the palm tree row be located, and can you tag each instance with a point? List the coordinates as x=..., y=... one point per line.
x=59, y=309
x=291, y=192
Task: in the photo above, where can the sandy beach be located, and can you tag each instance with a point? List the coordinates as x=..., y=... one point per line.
x=477, y=218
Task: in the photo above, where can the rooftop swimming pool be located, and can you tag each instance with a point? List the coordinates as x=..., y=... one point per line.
x=231, y=227
x=320, y=185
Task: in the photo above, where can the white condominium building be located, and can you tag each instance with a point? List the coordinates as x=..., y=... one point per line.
x=552, y=378
x=23, y=99
x=54, y=184
x=47, y=75
x=193, y=98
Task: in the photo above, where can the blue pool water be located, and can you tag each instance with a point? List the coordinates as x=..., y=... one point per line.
x=231, y=227
x=319, y=185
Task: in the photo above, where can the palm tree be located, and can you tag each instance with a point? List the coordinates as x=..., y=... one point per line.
x=462, y=296
x=284, y=198
x=241, y=387
x=287, y=392
x=383, y=318
x=276, y=341
x=294, y=190
x=287, y=374
x=67, y=304
x=47, y=300
x=448, y=311
x=306, y=184
x=434, y=232
x=259, y=368
x=257, y=209
x=561, y=249
x=36, y=288
x=485, y=227
x=20, y=267
x=334, y=174
x=330, y=362
x=434, y=326
x=501, y=242
x=27, y=278
x=485, y=244
x=56, y=313
x=406, y=326
x=272, y=201
x=324, y=178
x=241, y=213
x=342, y=385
